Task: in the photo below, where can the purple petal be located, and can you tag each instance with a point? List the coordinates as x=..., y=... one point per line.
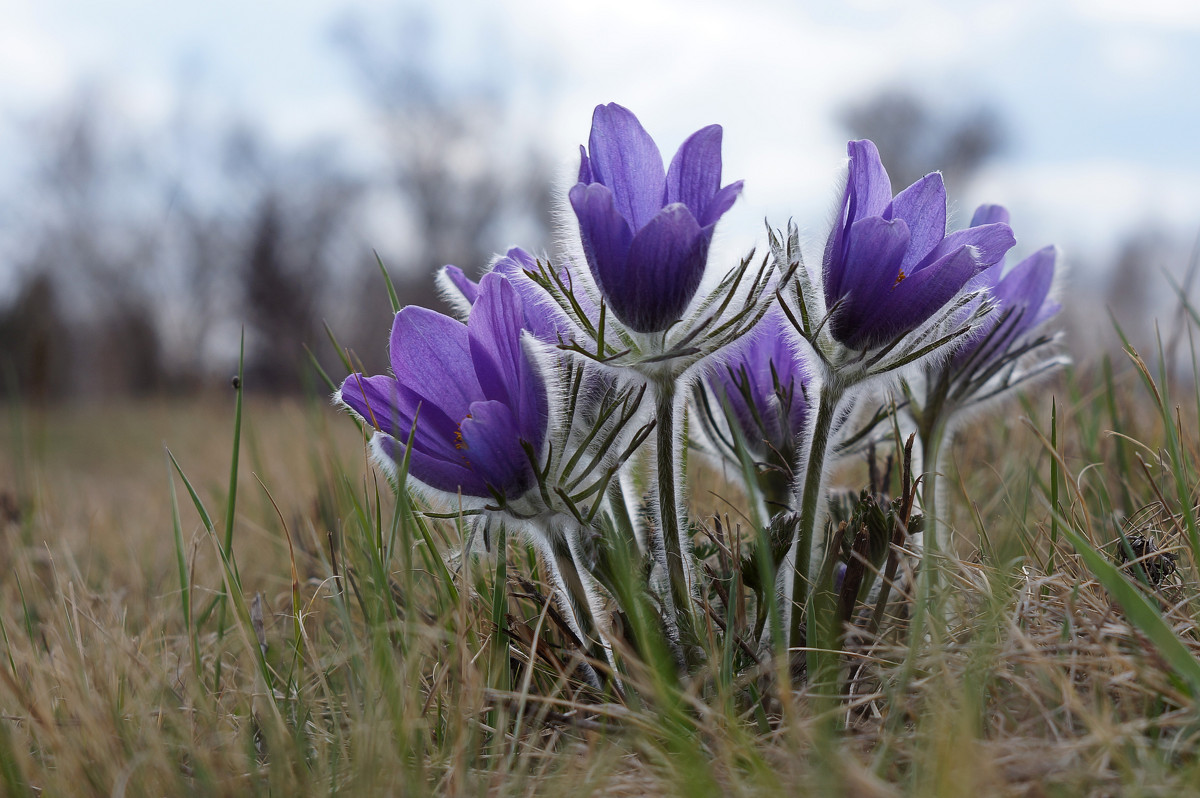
x=923, y=293
x=990, y=242
x=665, y=265
x=450, y=476
x=431, y=358
x=504, y=371
x=989, y=214
x=1029, y=281
x=464, y=285
x=389, y=407
x=1025, y=288
x=521, y=259
x=493, y=447
x=695, y=173
x=605, y=233
x=874, y=250
x=374, y=400
x=923, y=207
x=868, y=192
x=494, y=336
x=722, y=201
x=625, y=158
x=869, y=186
x=585, y=166
x=542, y=317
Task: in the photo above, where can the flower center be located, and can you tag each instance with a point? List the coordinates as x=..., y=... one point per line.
x=459, y=443
x=899, y=278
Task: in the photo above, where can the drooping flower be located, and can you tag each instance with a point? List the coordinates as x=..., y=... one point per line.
x=473, y=390
x=764, y=388
x=889, y=264
x=1021, y=296
x=646, y=232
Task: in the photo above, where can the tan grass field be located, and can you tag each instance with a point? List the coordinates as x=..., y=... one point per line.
x=384, y=682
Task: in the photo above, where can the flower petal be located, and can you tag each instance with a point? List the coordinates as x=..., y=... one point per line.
x=695, y=172
x=431, y=358
x=722, y=201
x=666, y=263
x=374, y=400
x=604, y=232
x=450, y=476
x=504, y=370
x=1026, y=287
x=875, y=248
x=625, y=158
x=915, y=299
x=923, y=207
x=868, y=184
x=867, y=193
x=585, y=166
x=492, y=445
x=460, y=282
x=989, y=214
x=381, y=402
x=990, y=242
x=542, y=316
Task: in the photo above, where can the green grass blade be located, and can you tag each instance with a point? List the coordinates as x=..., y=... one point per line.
x=391, y=289
x=185, y=587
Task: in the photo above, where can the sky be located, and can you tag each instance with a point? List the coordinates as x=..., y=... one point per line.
x=1098, y=95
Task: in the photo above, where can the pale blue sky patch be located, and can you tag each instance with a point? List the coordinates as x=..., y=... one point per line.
x=1099, y=96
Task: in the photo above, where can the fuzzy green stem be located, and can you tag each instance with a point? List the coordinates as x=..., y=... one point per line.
x=668, y=502
x=932, y=438
x=817, y=610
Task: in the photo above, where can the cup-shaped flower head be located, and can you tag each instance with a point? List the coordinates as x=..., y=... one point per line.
x=1021, y=296
x=763, y=386
x=646, y=231
x=889, y=265
x=473, y=390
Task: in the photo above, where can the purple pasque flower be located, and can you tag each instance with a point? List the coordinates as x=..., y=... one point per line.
x=1021, y=296
x=646, y=232
x=889, y=265
x=473, y=390
x=764, y=387
x=541, y=318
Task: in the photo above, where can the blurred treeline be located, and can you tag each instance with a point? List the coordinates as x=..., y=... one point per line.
x=133, y=256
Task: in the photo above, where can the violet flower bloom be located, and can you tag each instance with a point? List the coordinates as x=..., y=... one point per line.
x=541, y=319
x=1021, y=296
x=646, y=233
x=764, y=388
x=473, y=390
x=889, y=262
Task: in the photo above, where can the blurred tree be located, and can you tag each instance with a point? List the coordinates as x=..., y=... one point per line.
x=35, y=340
x=1137, y=295
x=298, y=224
x=465, y=184
x=914, y=139
x=87, y=253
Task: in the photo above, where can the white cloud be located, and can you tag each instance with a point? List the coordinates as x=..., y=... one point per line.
x=1088, y=206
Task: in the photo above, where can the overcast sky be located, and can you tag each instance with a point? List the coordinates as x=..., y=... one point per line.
x=1099, y=96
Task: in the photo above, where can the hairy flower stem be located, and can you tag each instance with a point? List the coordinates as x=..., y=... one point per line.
x=932, y=438
x=933, y=435
x=813, y=620
x=675, y=549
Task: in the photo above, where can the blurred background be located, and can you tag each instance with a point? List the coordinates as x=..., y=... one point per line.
x=171, y=173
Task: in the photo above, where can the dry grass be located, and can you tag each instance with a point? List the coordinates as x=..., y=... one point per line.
x=1031, y=681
